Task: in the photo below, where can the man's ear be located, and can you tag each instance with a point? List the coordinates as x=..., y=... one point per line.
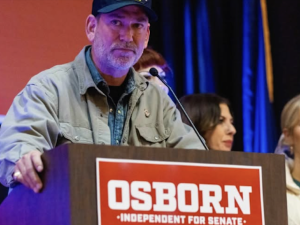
x=148, y=36
x=288, y=137
x=90, y=27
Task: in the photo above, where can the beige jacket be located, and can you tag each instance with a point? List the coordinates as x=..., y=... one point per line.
x=63, y=105
x=293, y=197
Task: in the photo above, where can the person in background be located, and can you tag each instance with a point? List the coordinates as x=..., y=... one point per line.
x=289, y=145
x=212, y=117
x=97, y=99
x=149, y=59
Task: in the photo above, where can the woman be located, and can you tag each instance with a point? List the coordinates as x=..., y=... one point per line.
x=149, y=59
x=289, y=144
x=212, y=117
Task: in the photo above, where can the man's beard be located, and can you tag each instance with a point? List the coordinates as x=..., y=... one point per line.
x=123, y=60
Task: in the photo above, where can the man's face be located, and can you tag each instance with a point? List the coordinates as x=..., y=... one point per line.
x=119, y=38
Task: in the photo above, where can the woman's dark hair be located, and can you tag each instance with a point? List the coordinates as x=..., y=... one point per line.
x=203, y=109
x=152, y=58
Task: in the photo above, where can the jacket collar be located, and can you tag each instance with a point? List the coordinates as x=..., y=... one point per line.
x=140, y=82
x=83, y=73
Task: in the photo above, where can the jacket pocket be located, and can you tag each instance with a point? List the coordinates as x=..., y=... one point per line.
x=76, y=134
x=152, y=134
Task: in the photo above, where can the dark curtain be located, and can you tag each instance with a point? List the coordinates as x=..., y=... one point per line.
x=224, y=24
x=217, y=46
x=284, y=23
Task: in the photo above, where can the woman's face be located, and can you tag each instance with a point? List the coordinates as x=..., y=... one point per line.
x=296, y=139
x=145, y=72
x=221, y=137
x=293, y=138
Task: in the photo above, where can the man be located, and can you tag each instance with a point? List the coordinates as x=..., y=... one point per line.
x=98, y=98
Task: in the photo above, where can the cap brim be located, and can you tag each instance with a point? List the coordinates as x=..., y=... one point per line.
x=150, y=13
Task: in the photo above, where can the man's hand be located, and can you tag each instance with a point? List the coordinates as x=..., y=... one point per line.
x=26, y=170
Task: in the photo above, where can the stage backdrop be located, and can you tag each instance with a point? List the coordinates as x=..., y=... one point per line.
x=211, y=45
x=223, y=47
x=36, y=35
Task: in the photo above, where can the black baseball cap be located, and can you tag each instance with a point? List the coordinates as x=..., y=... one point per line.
x=106, y=6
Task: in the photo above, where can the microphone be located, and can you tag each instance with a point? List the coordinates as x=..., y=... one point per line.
x=154, y=73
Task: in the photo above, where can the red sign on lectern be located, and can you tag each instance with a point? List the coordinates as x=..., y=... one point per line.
x=154, y=192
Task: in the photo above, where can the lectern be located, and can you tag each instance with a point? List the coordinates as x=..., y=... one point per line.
x=184, y=187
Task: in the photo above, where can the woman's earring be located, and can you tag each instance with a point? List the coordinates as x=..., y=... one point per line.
x=291, y=150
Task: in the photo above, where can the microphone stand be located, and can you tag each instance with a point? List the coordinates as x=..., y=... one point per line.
x=154, y=72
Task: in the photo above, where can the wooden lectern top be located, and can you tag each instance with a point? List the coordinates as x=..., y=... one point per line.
x=69, y=196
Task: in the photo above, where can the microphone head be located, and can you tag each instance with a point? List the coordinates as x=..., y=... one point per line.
x=153, y=72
